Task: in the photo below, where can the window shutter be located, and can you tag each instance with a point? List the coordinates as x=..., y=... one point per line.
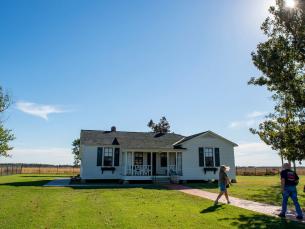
x=99, y=156
x=117, y=157
x=201, y=157
x=148, y=158
x=217, y=157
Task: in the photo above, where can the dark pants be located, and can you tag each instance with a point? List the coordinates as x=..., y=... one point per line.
x=291, y=191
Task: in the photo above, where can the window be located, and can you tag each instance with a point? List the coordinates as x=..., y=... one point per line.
x=208, y=155
x=138, y=158
x=108, y=155
x=163, y=159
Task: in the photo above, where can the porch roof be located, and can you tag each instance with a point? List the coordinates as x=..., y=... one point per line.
x=131, y=140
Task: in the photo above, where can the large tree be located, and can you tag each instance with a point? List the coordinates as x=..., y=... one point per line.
x=281, y=59
x=5, y=134
x=76, y=151
x=162, y=127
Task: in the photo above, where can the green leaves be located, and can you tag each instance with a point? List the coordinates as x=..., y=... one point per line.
x=5, y=135
x=76, y=151
x=281, y=59
x=162, y=127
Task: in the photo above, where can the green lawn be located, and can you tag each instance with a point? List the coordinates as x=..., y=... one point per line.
x=265, y=189
x=26, y=204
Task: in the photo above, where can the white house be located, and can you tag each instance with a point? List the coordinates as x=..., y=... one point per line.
x=128, y=156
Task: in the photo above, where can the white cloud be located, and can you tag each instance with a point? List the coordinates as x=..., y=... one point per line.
x=253, y=147
x=244, y=123
x=256, y=114
x=251, y=120
x=256, y=154
x=56, y=156
x=39, y=110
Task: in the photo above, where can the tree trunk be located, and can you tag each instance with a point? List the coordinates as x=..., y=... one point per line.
x=294, y=167
x=282, y=159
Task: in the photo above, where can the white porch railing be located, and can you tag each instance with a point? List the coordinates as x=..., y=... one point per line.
x=139, y=170
x=146, y=170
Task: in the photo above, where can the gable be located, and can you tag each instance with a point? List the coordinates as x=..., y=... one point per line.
x=207, y=136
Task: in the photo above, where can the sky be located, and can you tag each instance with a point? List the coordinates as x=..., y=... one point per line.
x=72, y=65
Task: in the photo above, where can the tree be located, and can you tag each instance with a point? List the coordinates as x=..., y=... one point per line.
x=76, y=151
x=162, y=127
x=281, y=59
x=5, y=134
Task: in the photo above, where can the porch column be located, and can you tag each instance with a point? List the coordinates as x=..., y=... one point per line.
x=132, y=163
x=176, y=163
x=126, y=162
x=167, y=160
x=151, y=163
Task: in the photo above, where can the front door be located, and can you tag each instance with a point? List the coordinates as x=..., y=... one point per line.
x=154, y=164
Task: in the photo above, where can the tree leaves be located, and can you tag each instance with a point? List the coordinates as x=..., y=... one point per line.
x=76, y=151
x=5, y=135
x=162, y=127
x=281, y=59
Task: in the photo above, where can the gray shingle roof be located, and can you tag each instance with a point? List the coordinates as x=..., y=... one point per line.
x=189, y=138
x=130, y=140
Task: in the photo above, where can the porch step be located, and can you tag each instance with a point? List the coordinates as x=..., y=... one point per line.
x=163, y=180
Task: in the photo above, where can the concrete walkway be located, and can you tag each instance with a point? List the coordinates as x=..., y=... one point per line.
x=266, y=209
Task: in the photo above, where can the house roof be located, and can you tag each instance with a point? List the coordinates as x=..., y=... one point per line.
x=130, y=140
x=140, y=140
x=178, y=143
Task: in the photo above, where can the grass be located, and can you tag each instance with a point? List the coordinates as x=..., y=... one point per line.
x=25, y=203
x=265, y=189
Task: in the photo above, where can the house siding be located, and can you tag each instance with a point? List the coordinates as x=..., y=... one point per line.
x=190, y=160
x=190, y=157
x=89, y=169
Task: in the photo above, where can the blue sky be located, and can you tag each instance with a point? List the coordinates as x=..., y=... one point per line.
x=72, y=65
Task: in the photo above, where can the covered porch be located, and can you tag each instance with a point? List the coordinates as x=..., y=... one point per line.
x=150, y=164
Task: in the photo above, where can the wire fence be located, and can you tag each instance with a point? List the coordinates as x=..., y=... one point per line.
x=264, y=171
x=11, y=169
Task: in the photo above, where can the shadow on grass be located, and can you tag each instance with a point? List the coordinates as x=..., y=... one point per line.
x=121, y=186
x=206, y=185
x=212, y=209
x=261, y=221
x=59, y=175
x=26, y=183
x=88, y=186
